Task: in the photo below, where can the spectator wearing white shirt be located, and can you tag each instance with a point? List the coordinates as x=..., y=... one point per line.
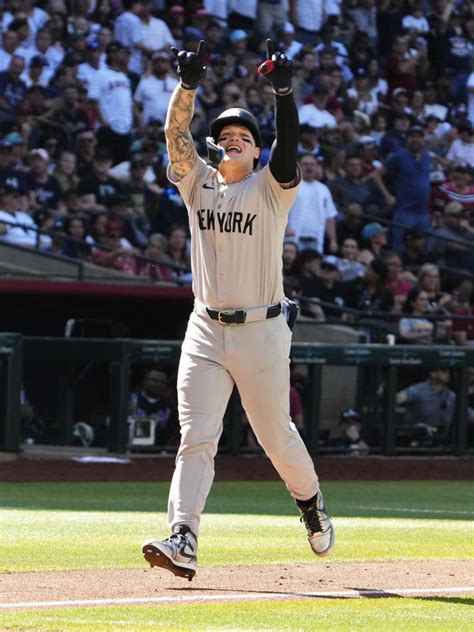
x=25, y=233
x=156, y=33
x=462, y=148
x=111, y=97
x=128, y=30
x=287, y=42
x=313, y=212
x=88, y=71
x=38, y=73
x=9, y=44
x=153, y=93
x=315, y=114
x=42, y=47
x=308, y=17
x=470, y=97
x=415, y=22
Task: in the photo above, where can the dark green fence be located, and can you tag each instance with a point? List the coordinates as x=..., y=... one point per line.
x=119, y=355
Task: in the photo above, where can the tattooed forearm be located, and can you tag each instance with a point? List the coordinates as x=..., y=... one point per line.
x=179, y=142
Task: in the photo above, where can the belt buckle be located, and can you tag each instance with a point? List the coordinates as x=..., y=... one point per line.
x=219, y=317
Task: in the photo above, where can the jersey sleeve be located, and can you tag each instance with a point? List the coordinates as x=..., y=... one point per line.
x=275, y=197
x=190, y=186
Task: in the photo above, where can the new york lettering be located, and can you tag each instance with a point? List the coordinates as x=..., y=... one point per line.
x=226, y=222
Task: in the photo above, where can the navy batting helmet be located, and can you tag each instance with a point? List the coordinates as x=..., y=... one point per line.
x=237, y=116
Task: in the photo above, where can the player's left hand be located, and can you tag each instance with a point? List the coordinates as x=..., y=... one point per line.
x=278, y=69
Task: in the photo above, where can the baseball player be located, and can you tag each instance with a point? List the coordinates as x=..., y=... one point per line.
x=237, y=333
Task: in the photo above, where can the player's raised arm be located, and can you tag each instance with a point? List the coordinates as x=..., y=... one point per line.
x=181, y=150
x=278, y=69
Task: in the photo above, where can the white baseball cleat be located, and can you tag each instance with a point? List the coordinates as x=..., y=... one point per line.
x=177, y=554
x=317, y=521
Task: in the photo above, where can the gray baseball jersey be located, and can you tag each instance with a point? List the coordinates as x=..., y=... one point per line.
x=237, y=237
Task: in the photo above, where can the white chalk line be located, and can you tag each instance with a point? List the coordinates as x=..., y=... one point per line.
x=409, y=510
x=389, y=592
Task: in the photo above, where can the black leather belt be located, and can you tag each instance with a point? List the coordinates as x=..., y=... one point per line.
x=238, y=316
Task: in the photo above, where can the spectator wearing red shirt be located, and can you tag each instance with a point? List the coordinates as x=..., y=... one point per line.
x=396, y=281
x=463, y=330
x=458, y=188
x=404, y=65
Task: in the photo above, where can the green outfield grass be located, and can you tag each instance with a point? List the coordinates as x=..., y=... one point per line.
x=101, y=525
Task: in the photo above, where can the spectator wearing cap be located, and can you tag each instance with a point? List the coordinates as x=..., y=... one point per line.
x=152, y=96
x=327, y=288
x=18, y=149
x=128, y=30
x=313, y=213
x=462, y=147
x=350, y=433
x=456, y=247
x=238, y=40
x=8, y=46
x=38, y=72
x=139, y=163
x=99, y=182
x=88, y=70
x=287, y=43
x=44, y=188
x=110, y=253
x=22, y=234
x=315, y=113
x=111, y=97
x=308, y=141
x=328, y=36
x=414, y=255
x=155, y=32
x=409, y=169
x=430, y=102
x=395, y=137
x=457, y=187
x=375, y=237
x=12, y=92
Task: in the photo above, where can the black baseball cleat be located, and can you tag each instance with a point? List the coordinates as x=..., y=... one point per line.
x=318, y=525
x=177, y=554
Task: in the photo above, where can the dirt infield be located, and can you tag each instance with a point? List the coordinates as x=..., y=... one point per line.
x=240, y=582
x=311, y=580
x=37, y=468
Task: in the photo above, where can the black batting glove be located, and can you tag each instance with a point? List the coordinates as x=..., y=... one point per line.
x=191, y=69
x=278, y=69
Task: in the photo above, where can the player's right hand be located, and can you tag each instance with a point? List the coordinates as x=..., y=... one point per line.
x=278, y=69
x=191, y=68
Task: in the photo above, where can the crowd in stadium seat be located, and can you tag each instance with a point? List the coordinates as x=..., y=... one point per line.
x=385, y=93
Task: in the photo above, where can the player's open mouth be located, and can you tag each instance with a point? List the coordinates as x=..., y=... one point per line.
x=233, y=148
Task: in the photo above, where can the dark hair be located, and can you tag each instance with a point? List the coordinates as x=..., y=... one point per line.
x=413, y=294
